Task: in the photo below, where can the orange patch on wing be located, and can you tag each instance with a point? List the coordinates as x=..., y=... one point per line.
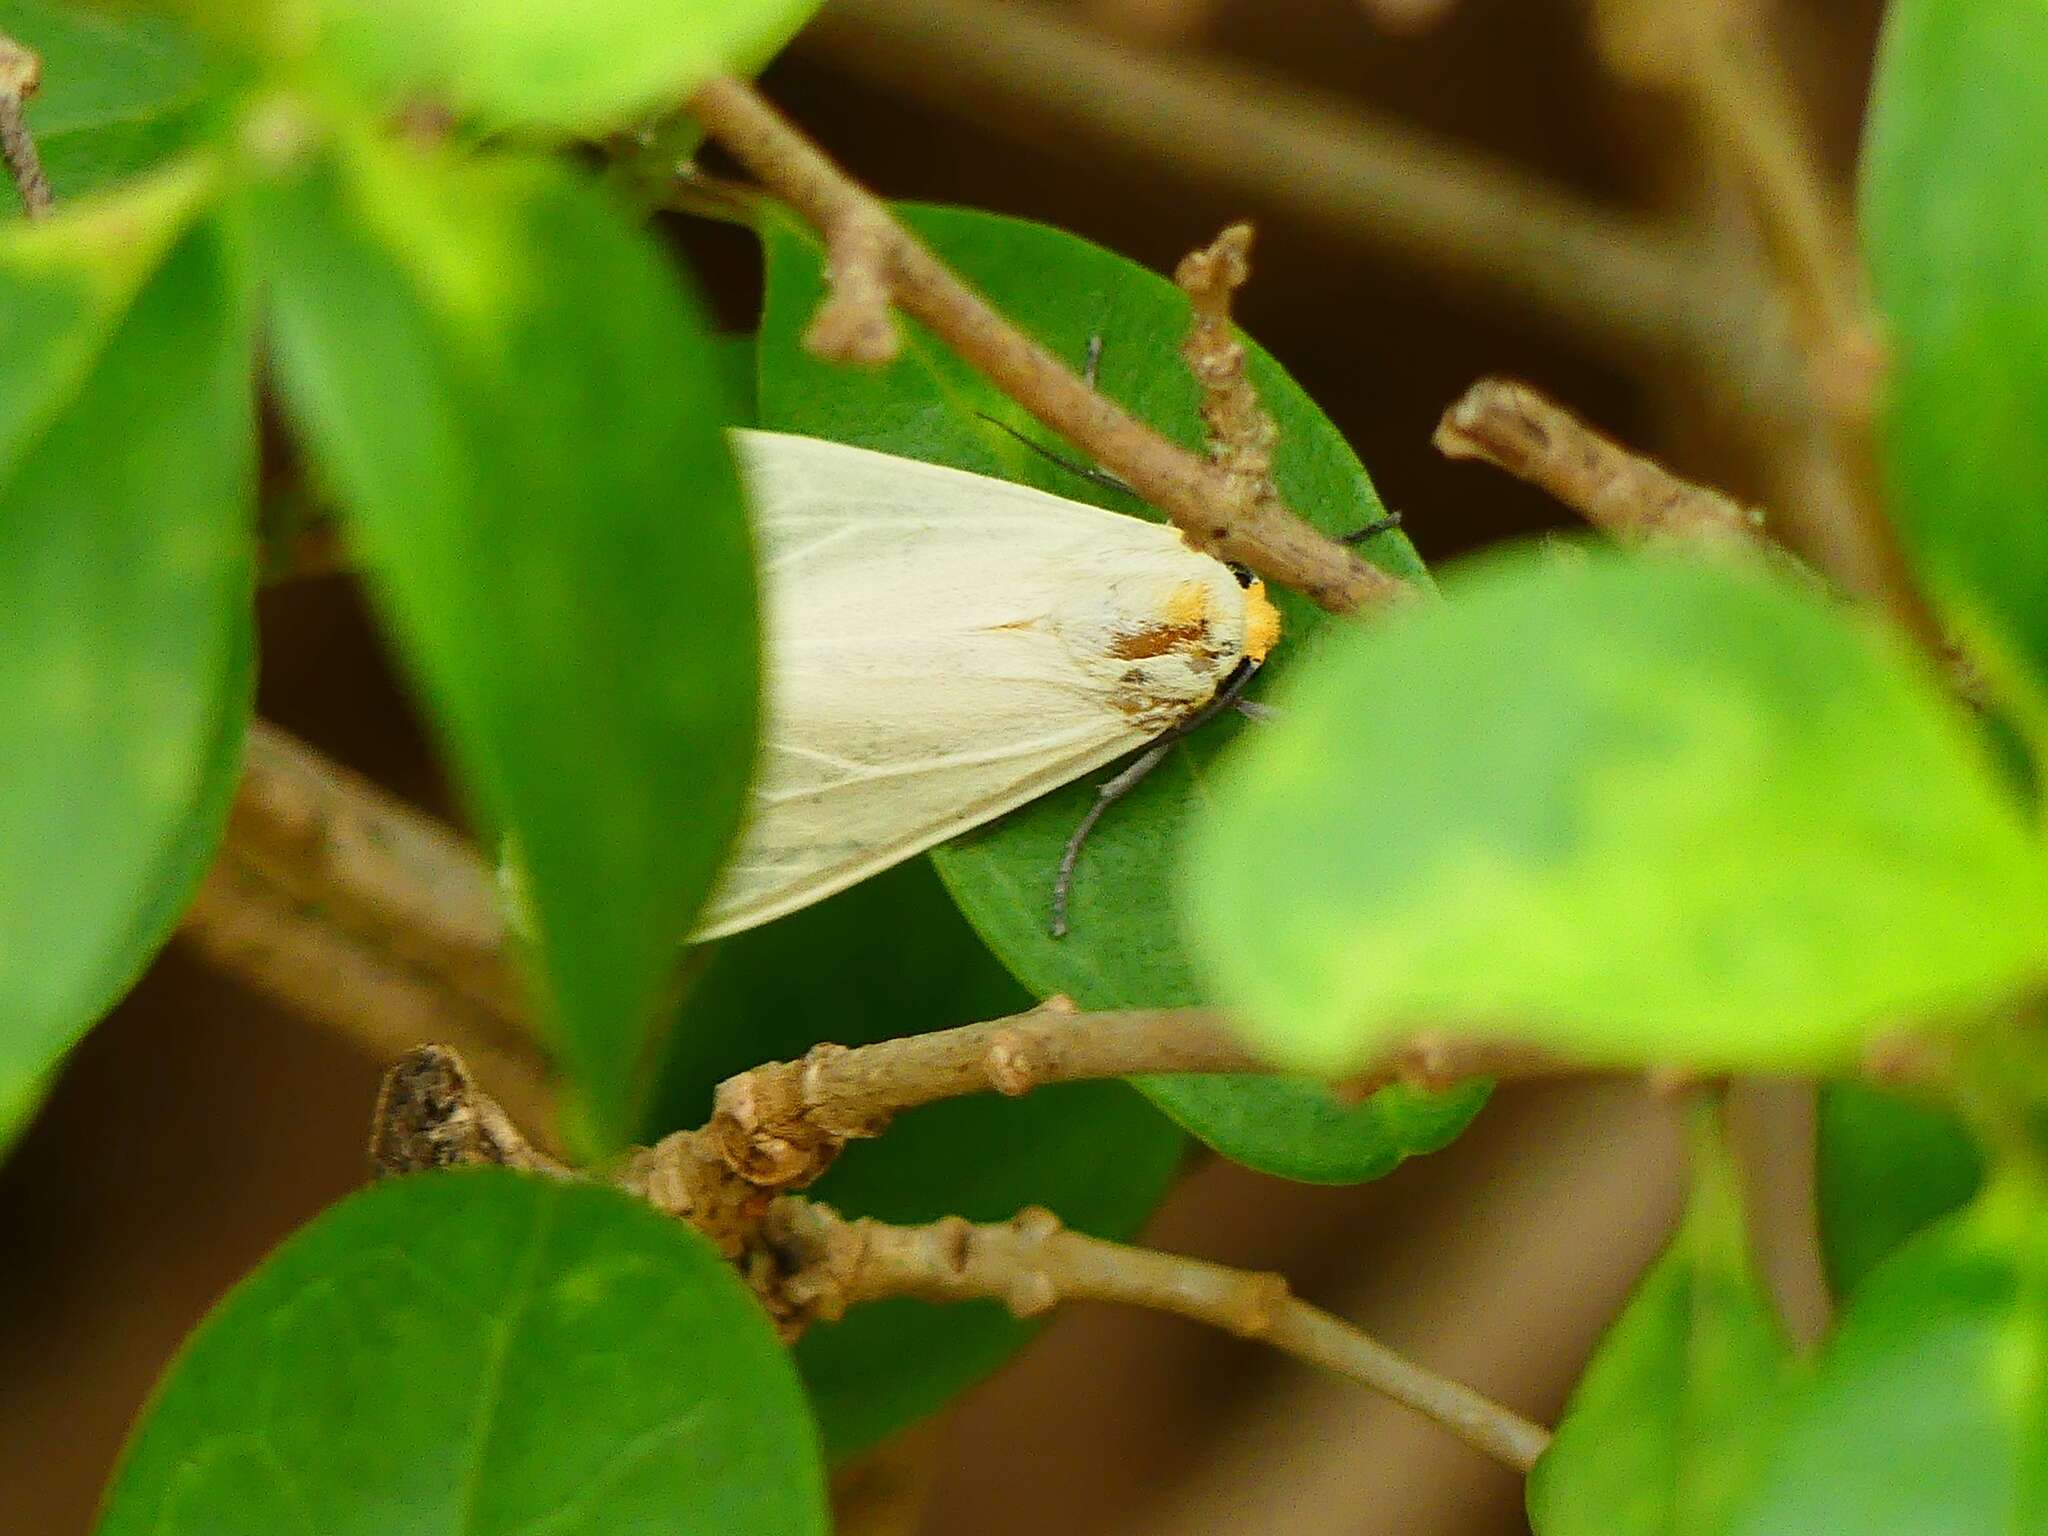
x=1184, y=622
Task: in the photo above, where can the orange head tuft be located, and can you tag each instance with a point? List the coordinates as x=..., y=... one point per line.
x=1261, y=621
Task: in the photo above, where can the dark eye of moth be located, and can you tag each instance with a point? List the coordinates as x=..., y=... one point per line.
x=1244, y=577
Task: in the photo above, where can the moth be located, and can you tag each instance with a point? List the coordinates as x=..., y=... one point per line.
x=941, y=647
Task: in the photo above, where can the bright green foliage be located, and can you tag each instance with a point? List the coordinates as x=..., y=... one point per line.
x=1887, y=1167
x=518, y=409
x=479, y=1353
x=1125, y=949
x=120, y=91
x=1645, y=812
x=1668, y=1428
x=1095, y=1153
x=124, y=634
x=1928, y=1414
x=575, y=64
x=1955, y=221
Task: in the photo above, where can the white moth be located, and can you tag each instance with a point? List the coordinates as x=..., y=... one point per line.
x=942, y=647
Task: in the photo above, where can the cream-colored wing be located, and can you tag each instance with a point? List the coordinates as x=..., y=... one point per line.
x=942, y=647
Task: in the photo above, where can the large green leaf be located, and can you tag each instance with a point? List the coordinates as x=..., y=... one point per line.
x=1124, y=950
x=120, y=92
x=577, y=64
x=1668, y=1429
x=1887, y=1167
x=893, y=957
x=127, y=440
x=1955, y=221
x=479, y=1353
x=520, y=412
x=1648, y=811
x=1928, y=1414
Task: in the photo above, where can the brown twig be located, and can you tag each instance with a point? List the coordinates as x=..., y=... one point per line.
x=293, y=951
x=1200, y=499
x=1605, y=279
x=1032, y=1263
x=853, y=324
x=1715, y=56
x=807, y=1263
x=21, y=72
x=780, y=1125
x=1627, y=496
x=377, y=868
x=363, y=914
x=1241, y=434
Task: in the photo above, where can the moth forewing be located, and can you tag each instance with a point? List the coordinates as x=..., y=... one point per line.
x=941, y=647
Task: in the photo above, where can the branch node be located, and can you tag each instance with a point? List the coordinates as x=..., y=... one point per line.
x=1253, y=1306
x=780, y=1126
x=1012, y=1066
x=854, y=323
x=1241, y=434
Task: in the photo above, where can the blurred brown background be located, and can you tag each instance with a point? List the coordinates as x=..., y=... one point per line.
x=201, y=1124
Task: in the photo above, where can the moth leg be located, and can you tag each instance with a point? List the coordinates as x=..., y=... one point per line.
x=1379, y=525
x=1228, y=697
x=1252, y=709
x=1106, y=795
x=1092, y=363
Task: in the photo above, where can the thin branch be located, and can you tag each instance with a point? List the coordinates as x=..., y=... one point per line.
x=1032, y=1263
x=854, y=325
x=1627, y=496
x=365, y=915
x=806, y=1263
x=291, y=950
x=21, y=71
x=377, y=868
x=780, y=1125
x=1195, y=494
x=1606, y=279
x=1715, y=55
x=1241, y=434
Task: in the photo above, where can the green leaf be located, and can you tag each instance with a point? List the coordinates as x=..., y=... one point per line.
x=127, y=439
x=583, y=65
x=733, y=358
x=1649, y=811
x=1887, y=1168
x=120, y=93
x=843, y=971
x=1125, y=950
x=518, y=408
x=479, y=1353
x=1668, y=1429
x=1928, y=1414
x=1955, y=221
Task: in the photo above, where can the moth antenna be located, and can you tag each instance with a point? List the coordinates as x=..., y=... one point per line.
x=1380, y=525
x=1229, y=696
x=1093, y=473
